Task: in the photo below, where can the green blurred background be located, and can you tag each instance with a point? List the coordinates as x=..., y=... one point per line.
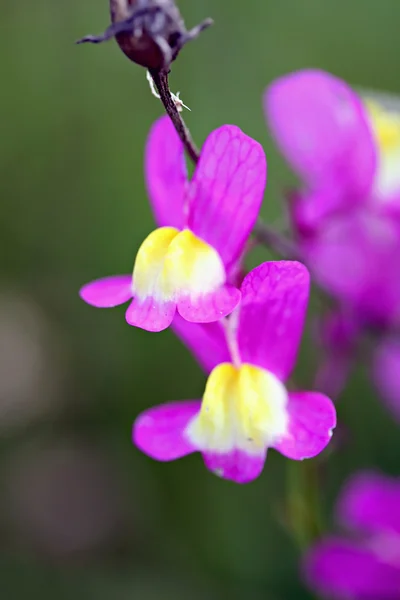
x=83, y=514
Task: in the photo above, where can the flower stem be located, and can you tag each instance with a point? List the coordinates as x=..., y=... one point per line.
x=160, y=79
x=303, y=502
x=274, y=240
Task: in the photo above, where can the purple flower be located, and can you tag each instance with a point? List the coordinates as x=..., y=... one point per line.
x=246, y=407
x=346, y=149
x=346, y=215
x=387, y=372
x=204, y=224
x=365, y=566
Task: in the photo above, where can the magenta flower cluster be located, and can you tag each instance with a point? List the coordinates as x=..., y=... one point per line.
x=244, y=328
x=245, y=331
x=346, y=226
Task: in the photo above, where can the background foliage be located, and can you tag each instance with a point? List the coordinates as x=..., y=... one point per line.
x=83, y=513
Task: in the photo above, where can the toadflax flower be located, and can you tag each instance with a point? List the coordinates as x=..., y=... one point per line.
x=347, y=152
x=203, y=223
x=345, y=148
x=365, y=566
x=246, y=407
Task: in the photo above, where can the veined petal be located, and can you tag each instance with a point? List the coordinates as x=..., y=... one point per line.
x=343, y=570
x=237, y=465
x=159, y=431
x=371, y=502
x=210, y=307
x=272, y=314
x=166, y=176
x=312, y=417
x=150, y=314
x=205, y=340
x=108, y=291
x=226, y=191
x=322, y=129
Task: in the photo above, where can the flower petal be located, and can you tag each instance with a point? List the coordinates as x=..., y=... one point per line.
x=323, y=130
x=370, y=502
x=357, y=258
x=387, y=373
x=165, y=171
x=205, y=340
x=108, y=291
x=272, y=313
x=237, y=465
x=150, y=314
x=159, y=431
x=339, y=569
x=312, y=417
x=211, y=307
x=226, y=191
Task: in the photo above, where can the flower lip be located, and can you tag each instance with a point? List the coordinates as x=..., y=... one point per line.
x=171, y=264
x=243, y=408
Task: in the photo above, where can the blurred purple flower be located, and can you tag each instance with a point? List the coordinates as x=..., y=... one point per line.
x=347, y=152
x=337, y=333
x=387, y=373
x=365, y=566
x=204, y=225
x=245, y=408
x=346, y=149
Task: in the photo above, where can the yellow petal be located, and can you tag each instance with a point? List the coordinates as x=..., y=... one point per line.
x=243, y=408
x=148, y=277
x=192, y=266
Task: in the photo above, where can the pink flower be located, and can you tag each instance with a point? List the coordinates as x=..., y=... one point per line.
x=346, y=150
x=246, y=407
x=365, y=565
x=204, y=224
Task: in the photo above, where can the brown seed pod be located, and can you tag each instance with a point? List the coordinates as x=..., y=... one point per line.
x=149, y=32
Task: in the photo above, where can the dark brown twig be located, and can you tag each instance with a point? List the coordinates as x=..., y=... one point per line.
x=160, y=79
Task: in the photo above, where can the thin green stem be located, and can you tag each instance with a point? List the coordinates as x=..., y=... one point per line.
x=303, y=502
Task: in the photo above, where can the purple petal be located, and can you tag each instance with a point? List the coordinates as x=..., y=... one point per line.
x=159, y=431
x=227, y=190
x=322, y=128
x=205, y=340
x=342, y=570
x=211, y=307
x=312, y=417
x=108, y=291
x=337, y=333
x=387, y=373
x=150, y=314
x=166, y=176
x=357, y=258
x=272, y=313
x=371, y=502
x=237, y=466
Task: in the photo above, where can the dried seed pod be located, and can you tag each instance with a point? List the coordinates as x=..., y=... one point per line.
x=149, y=32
